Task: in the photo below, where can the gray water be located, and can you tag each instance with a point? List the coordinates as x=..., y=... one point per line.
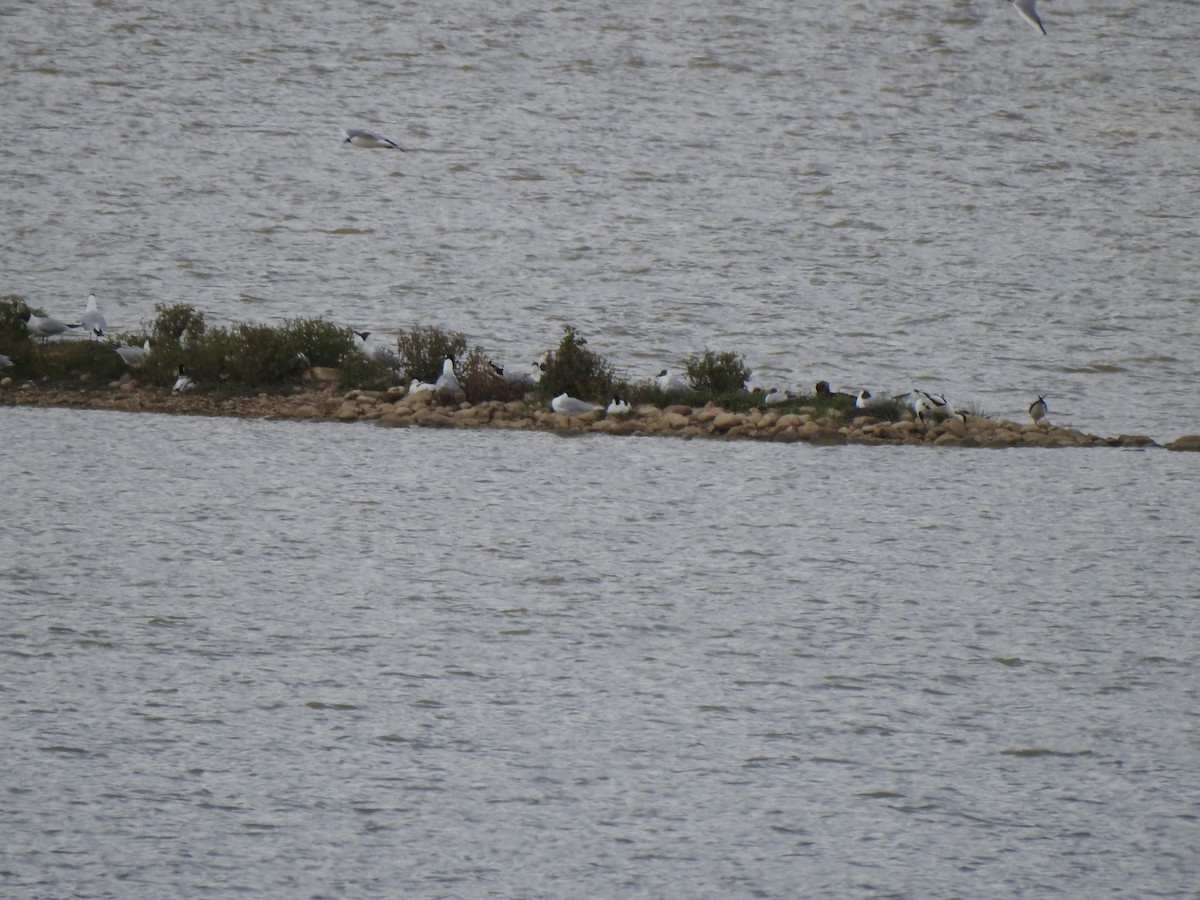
x=880, y=195
x=326, y=660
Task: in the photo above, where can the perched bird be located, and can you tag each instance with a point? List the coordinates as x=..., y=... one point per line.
x=46, y=327
x=863, y=400
x=416, y=386
x=1038, y=409
x=448, y=381
x=669, y=381
x=1028, y=11
x=359, y=138
x=380, y=352
x=775, y=396
x=821, y=389
x=516, y=374
x=183, y=382
x=618, y=407
x=570, y=406
x=93, y=319
x=922, y=407
x=134, y=356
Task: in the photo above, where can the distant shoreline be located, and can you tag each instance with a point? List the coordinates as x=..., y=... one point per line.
x=397, y=409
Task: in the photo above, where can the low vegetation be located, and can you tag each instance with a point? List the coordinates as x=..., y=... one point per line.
x=255, y=357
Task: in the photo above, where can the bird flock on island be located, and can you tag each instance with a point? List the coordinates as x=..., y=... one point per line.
x=925, y=406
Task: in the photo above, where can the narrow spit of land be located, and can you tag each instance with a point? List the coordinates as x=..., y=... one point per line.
x=396, y=408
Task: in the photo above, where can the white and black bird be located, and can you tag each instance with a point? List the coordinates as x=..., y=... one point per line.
x=183, y=382
x=134, y=356
x=417, y=386
x=863, y=400
x=358, y=138
x=775, y=396
x=569, y=406
x=1038, y=409
x=669, y=381
x=1028, y=11
x=46, y=327
x=448, y=382
x=92, y=319
x=618, y=407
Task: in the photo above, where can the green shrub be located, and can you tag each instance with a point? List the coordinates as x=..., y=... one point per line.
x=422, y=349
x=172, y=321
x=716, y=373
x=480, y=382
x=13, y=313
x=574, y=369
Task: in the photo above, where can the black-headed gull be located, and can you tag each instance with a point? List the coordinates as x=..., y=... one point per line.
x=1028, y=11
x=46, y=326
x=669, y=381
x=1038, y=409
x=359, y=138
x=93, y=319
x=775, y=396
x=863, y=400
x=448, y=381
x=821, y=389
x=133, y=356
x=618, y=407
x=570, y=406
x=183, y=382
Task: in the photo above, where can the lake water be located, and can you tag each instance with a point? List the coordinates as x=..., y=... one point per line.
x=314, y=660
x=931, y=195
x=304, y=660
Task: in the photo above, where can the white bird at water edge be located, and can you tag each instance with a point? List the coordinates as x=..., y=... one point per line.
x=569, y=406
x=618, y=407
x=359, y=138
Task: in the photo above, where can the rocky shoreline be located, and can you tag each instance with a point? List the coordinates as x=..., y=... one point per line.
x=395, y=408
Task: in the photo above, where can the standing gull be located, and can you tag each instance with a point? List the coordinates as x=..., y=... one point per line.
x=93, y=319
x=358, y=138
x=448, y=381
x=46, y=326
x=1028, y=11
x=1038, y=409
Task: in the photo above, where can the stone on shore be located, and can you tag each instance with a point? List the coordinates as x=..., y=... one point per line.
x=1185, y=442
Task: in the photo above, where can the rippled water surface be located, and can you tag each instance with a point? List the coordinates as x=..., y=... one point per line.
x=326, y=660
x=878, y=195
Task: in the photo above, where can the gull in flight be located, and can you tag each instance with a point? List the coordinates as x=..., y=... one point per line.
x=93, y=319
x=1028, y=11
x=358, y=138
